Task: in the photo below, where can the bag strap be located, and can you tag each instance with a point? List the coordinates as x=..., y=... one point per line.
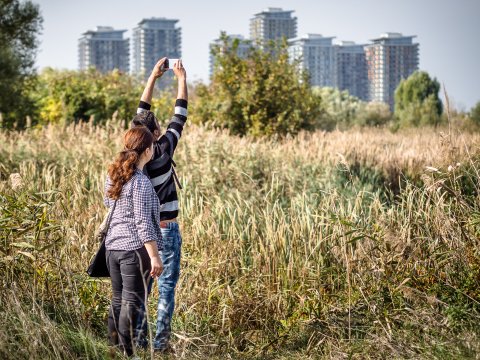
x=110, y=217
x=170, y=155
x=174, y=174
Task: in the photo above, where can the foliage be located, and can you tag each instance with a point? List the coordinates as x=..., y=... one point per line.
x=20, y=24
x=78, y=95
x=293, y=246
x=64, y=96
x=475, y=114
x=37, y=282
x=340, y=109
x=25, y=241
x=417, y=101
x=374, y=114
x=262, y=94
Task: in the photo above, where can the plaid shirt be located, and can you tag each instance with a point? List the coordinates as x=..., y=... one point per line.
x=135, y=220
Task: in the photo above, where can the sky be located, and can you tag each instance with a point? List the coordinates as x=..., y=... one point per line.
x=447, y=30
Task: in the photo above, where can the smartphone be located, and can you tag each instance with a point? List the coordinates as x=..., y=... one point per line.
x=169, y=63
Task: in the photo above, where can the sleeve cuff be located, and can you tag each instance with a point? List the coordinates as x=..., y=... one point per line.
x=149, y=240
x=144, y=105
x=181, y=103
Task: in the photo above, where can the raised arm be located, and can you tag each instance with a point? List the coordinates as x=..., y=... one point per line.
x=181, y=75
x=157, y=72
x=175, y=127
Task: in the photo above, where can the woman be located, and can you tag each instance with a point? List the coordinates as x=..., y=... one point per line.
x=133, y=239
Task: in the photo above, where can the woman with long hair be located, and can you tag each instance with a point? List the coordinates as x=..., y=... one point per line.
x=133, y=240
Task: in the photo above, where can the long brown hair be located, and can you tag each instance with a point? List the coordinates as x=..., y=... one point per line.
x=136, y=141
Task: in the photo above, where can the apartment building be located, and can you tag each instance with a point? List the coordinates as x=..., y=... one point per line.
x=390, y=58
x=153, y=39
x=351, y=69
x=103, y=48
x=272, y=24
x=316, y=54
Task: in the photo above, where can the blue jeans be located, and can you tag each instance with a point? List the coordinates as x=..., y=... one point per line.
x=170, y=255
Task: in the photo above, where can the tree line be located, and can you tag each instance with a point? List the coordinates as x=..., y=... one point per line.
x=261, y=94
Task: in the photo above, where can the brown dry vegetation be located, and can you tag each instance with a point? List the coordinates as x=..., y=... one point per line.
x=356, y=244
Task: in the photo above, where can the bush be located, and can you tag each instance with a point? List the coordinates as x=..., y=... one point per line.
x=373, y=114
x=341, y=111
x=339, y=108
x=63, y=96
x=78, y=95
x=262, y=94
x=475, y=114
x=417, y=102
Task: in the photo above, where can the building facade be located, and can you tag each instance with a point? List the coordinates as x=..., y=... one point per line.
x=153, y=39
x=272, y=24
x=390, y=58
x=316, y=55
x=243, y=48
x=351, y=69
x=105, y=49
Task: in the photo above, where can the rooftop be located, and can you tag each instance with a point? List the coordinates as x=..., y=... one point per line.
x=274, y=10
x=103, y=29
x=307, y=37
x=157, y=19
x=345, y=43
x=393, y=36
x=312, y=37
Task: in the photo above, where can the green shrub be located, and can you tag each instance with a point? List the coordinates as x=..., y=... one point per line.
x=339, y=109
x=262, y=94
x=78, y=95
x=417, y=102
x=62, y=96
x=373, y=114
x=475, y=114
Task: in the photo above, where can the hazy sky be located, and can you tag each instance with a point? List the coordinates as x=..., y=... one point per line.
x=447, y=30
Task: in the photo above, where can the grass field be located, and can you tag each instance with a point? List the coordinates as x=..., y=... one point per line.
x=362, y=244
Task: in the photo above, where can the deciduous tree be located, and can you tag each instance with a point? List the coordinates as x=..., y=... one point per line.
x=20, y=24
x=262, y=94
x=417, y=101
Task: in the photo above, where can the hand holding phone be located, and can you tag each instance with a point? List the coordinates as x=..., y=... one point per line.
x=169, y=64
x=158, y=69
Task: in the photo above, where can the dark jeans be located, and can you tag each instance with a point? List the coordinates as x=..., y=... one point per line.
x=130, y=274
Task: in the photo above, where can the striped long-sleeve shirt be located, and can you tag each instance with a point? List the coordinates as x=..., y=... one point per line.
x=159, y=169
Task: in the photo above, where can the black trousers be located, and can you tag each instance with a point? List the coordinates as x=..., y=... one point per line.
x=130, y=275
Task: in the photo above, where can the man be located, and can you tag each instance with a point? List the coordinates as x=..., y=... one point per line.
x=162, y=175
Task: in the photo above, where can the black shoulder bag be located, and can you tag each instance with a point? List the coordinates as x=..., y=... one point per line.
x=98, y=265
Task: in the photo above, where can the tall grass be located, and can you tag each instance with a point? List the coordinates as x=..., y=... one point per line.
x=344, y=244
